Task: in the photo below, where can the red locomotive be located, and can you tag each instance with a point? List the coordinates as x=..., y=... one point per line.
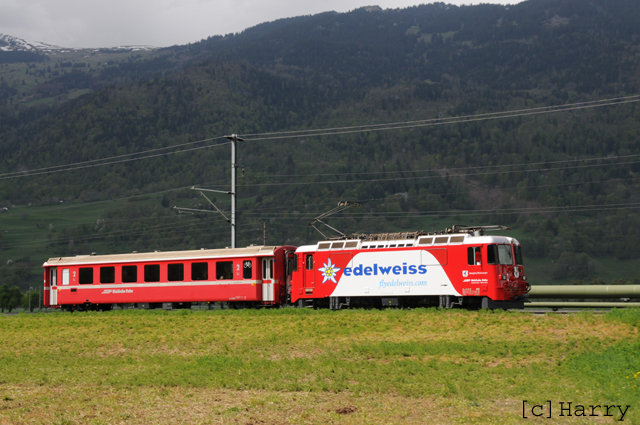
x=459, y=267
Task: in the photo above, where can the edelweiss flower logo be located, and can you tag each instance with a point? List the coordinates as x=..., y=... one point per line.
x=329, y=271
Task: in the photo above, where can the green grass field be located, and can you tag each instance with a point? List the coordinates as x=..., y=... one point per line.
x=305, y=366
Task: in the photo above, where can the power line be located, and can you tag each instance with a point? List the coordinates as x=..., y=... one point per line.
x=361, y=216
x=17, y=173
x=443, y=121
x=29, y=174
x=168, y=226
x=524, y=164
x=433, y=177
x=335, y=131
x=403, y=214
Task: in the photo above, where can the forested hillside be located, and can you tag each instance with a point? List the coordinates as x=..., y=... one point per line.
x=129, y=136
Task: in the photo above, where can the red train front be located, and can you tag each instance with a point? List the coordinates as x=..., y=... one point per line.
x=459, y=267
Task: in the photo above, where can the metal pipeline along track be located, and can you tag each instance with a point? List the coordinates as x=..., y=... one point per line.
x=623, y=293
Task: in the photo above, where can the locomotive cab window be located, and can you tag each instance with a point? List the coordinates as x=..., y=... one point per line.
x=85, y=275
x=499, y=254
x=175, y=272
x=474, y=256
x=247, y=269
x=129, y=274
x=492, y=254
x=224, y=270
x=199, y=271
x=107, y=274
x=518, y=251
x=309, y=262
x=152, y=273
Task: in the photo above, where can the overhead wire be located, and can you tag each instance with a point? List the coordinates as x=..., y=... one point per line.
x=431, y=177
x=522, y=164
x=79, y=167
x=352, y=129
x=112, y=157
x=443, y=121
x=572, y=208
x=333, y=131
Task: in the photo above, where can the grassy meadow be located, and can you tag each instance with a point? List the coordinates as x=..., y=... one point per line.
x=307, y=366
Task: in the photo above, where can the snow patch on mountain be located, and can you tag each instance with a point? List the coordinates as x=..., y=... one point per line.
x=9, y=43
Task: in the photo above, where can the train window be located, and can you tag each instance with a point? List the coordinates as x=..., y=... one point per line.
x=65, y=276
x=292, y=265
x=247, y=269
x=425, y=241
x=474, y=255
x=224, y=270
x=518, y=250
x=199, y=271
x=85, y=275
x=107, y=274
x=152, y=273
x=309, y=262
x=267, y=271
x=492, y=254
x=392, y=245
x=175, y=272
x=129, y=274
x=400, y=245
x=505, y=255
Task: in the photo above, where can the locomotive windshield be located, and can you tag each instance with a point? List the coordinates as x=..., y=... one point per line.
x=504, y=254
x=499, y=254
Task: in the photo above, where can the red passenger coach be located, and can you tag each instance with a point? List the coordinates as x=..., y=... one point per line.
x=460, y=267
x=251, y=276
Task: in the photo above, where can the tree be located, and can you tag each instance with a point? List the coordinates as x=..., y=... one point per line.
x=4, y=297
x=573, y=265
x=35, y=297
x=10, y=298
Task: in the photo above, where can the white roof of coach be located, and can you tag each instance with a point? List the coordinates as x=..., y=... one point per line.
x=200, y=254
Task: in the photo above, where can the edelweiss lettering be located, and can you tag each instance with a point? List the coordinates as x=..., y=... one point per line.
x=376, y=270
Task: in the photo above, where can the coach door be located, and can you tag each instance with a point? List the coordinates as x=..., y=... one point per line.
x=267, y=279
x=53, y=284
x=308, y=271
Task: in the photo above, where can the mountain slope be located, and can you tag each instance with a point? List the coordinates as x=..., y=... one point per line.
x=567, y=181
